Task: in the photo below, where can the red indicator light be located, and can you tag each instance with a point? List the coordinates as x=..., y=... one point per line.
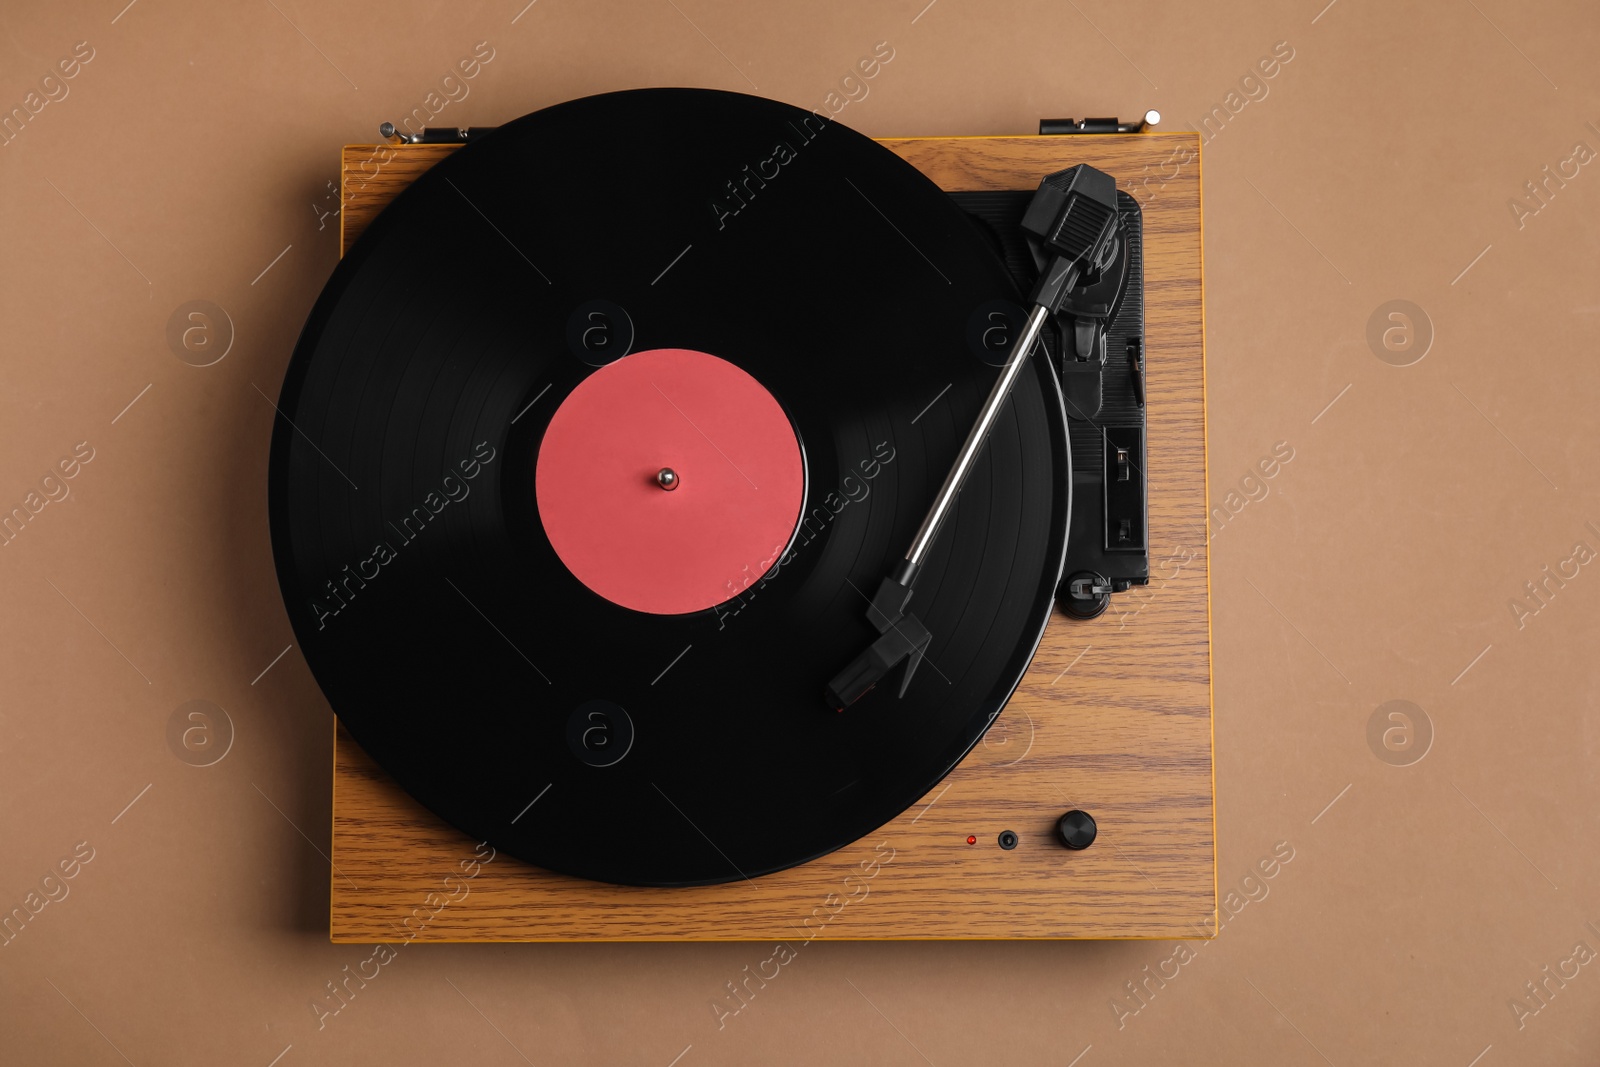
x=972, y=839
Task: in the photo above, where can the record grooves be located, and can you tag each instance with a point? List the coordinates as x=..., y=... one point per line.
x=495, y=685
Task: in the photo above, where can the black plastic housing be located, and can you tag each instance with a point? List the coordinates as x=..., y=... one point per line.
x=1104, y=401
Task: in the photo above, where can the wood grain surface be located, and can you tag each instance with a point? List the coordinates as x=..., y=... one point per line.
x=1114, y=715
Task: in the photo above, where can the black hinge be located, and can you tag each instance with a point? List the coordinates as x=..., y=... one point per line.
x=1049, y=127
x=434, y=134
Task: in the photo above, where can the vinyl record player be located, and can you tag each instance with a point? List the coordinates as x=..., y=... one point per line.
x=688, y=553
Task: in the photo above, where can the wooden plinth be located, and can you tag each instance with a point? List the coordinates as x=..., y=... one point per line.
x=1114, y=716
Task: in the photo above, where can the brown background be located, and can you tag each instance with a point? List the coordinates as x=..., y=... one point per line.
x=196, y=146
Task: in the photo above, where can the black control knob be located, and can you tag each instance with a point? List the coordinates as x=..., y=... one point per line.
x=1076, y=829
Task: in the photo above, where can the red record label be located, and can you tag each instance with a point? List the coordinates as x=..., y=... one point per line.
x=669, y=481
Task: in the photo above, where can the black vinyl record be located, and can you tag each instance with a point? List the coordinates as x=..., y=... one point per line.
x=446, y=632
